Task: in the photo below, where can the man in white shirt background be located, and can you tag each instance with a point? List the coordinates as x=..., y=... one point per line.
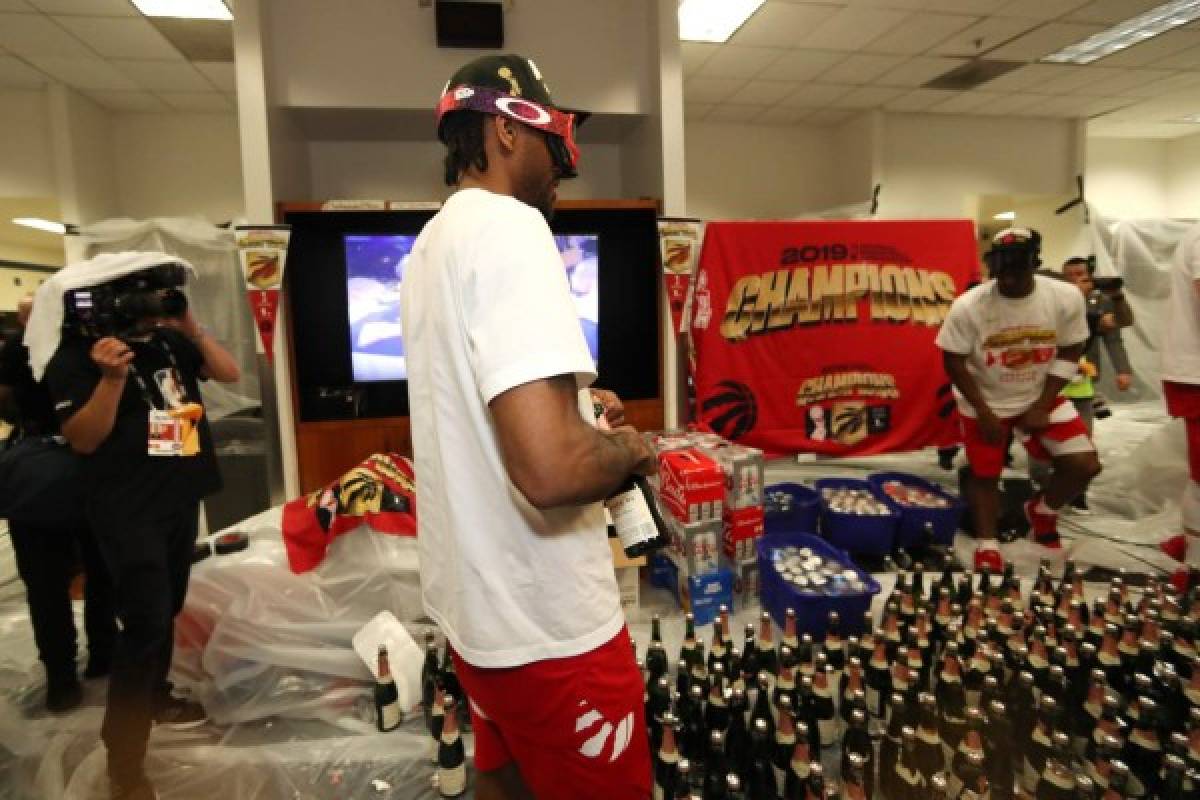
x=515, y=563
x=1010, y=345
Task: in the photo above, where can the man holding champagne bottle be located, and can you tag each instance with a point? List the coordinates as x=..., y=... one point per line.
x=510, y=464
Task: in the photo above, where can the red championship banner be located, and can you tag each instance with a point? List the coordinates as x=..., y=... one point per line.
x=679, y=241
x=818, y=337
x=262, y=251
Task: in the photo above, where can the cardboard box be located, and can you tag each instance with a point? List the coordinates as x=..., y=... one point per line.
x=740, y=530
x=629, y=585
x=697, y=545
x=703, y=595
x=692, y=485
x=744, y=469
x=620, y=559
x=746, y=581
x=664, y=573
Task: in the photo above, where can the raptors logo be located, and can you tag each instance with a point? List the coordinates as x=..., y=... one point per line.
x=735, y=410
x=588, y=724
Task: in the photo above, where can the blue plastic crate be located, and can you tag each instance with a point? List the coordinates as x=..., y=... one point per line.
x=804, y=514
x=856, y=533
x=911, y=529
x=812, y=611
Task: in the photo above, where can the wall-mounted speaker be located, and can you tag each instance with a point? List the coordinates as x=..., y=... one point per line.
x=468, y=23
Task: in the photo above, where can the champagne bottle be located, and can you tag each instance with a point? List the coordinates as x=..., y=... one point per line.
x=429, y=677
x=452, y=760
x=387, y=698
x=635, y=514
x=666, y=762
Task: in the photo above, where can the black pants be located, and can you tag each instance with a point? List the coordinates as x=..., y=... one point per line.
x=150, y=561
x=46, y=559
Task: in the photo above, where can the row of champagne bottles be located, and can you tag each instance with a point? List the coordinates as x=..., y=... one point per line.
x=974, y=668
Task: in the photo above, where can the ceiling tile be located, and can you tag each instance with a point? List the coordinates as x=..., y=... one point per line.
x=1110, y=12
x=15, y=5
x=781, y=115
x=826, y=118
x=696, y=111
x=764, y=92
x=1043, y=41
x=918, y=71
x=196, y=101
x=908, y=5
x=169, y=76
x=82, y=73
x=16, y=74
x=861, y=68
x=35, y=34
x=1039, y=9
x=710, y=90
x=733, y=61
x=728, y=112
x=918, y=100
x=128, y=101
x=965, y=6
x=221, y=74
x=866, y=97
x=1005, y=104
x=815, y=95
x=1137, y=82
x=1184, y=59
x=804, y=65
x=852, y=28
x=983, y=36
x=1028, y=76
x=696, y=53
x=964, y=102
x=1104, y=105
x=1094, y=80
x=120, y=37
x=1150, y=51
x=920, y=32
x=90, y=8
x=781, y=24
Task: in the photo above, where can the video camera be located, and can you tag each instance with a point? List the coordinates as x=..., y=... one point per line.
x=115, y=308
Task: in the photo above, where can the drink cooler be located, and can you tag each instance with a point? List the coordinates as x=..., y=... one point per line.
x=812, y=611
x=911, y=528
x=805, y=513
x=856, y=533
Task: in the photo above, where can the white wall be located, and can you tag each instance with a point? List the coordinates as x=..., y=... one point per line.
x=83, y=159
x=177, y=165
x=854, y=153
x=1183, y=177
x=26, y=166
x=383, y=55
x=758, y=172
x=933, y=164
x=413, y=171
x=1127, y=178
x=15, y=283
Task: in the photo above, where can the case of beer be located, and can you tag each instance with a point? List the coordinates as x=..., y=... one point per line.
x=746, y=580
x=703, y=595
x=691, y=485
x=740, y=529
x=743, y=467
x=697, y=545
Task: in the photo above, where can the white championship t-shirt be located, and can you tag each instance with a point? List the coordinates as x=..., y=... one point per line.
x=486, y=307
x=1010, y=343
x=1181, y=337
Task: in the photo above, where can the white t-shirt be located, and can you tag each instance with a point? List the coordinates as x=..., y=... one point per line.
x=486, y=308
x=1010, y=343
x=1181, y=339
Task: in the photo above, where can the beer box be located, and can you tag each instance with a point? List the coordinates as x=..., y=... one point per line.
x=663, y=570
x=697, y=545
x=691, y=485
x=703, y=595
x=744, y=471
x=663, y=441
x=746, y=583
x=740, y=530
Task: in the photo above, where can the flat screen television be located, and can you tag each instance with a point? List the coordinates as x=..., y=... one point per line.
x=375, y=265
x=342, y=284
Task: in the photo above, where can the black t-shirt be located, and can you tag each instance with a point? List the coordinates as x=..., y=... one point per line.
x=121, y=478
x=35, y=412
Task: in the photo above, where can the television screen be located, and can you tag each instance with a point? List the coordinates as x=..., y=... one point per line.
x=375, y=265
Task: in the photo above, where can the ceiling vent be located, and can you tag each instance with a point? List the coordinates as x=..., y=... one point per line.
x=972, y=74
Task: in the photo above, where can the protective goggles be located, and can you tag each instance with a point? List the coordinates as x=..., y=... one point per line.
x=560, y=124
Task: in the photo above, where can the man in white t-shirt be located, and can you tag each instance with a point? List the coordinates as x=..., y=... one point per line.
x=515, y=563
x=1181, y=383
x=1010, y=345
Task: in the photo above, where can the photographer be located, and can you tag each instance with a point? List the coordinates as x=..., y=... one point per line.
x=41, y=498
x=125, y=383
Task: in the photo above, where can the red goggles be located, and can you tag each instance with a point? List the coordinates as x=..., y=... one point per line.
x=546, y=119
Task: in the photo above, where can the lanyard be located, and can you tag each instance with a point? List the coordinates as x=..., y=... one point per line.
x=141, y=383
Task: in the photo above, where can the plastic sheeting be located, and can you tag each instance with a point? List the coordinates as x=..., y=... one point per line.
x=217, y=294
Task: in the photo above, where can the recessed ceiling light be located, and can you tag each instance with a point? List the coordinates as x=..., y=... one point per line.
x=714, y=20
x=184, y=9
x=1006, y=216
x=1135, y=30
x=41, y=224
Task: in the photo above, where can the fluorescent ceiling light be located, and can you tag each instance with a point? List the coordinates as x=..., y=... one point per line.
x=184, y=9
x=1191, y=119
x=41, y=224
x=1159, y=19
x=714, y=20
x=1006, y=216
